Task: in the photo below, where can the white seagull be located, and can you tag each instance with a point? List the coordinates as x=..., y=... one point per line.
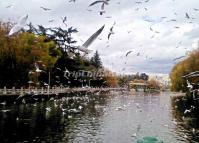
x=37, y=69
x=84, y=47
x=99, y=1
x=19, y=26
x=66, y=73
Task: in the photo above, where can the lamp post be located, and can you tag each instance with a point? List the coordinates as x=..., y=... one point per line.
x=89, y=82
x=48, y=82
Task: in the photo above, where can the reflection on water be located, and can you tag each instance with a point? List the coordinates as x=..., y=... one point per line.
x=115, y=118
x=186, y=112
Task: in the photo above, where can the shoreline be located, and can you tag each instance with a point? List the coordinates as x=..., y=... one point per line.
x=177, y=94
x=43, y=94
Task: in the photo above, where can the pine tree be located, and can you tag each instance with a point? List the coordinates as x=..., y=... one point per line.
x=96, y=61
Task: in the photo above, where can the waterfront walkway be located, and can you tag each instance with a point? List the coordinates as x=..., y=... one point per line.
x=56, y=91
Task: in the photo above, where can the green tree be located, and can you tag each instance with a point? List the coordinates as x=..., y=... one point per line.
x=188, y=65
x=19, y=53
x=96, y=61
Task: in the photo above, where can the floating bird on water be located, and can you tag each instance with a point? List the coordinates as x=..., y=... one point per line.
x=48, y=109
x=80, y=107
x=134, y=135
x=119, y=109
x=19, y=26
x=175, y=122
x=194, y=131
x=3, y=103
x=4, y=111
x=58, y=68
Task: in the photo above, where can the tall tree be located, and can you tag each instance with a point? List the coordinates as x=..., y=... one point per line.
x=186, y=66
x=19, y=53
x=96, y=61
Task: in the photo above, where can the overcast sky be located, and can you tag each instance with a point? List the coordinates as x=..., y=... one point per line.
x=153, y=52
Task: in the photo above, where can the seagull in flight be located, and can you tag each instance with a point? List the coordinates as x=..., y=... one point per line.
x=111, y=31
x=51, y=21
x=99, y=1
x=163, y=17
x=19, y=26
x=84, y=47
x=89, y=10
x=64, y=19
x=45, y=9
x=189, y=85
x=138, y=2
x=192, y=74
x=103, y=2
x=9, y=6
x=66, y=73
x=128, y=53
x=172, y=20
x=151, y=29
x=108, y=17
x=71, y=55
x=72, y=1
x=178, y=58
x=187, y=16
x=37, y=69
x=195, y=9
x=102, y=12
x=138, y=54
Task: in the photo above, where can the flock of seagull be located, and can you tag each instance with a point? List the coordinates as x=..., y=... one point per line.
x=84, y=48
x=68, y=106
x=71, y=105
x=60, y=103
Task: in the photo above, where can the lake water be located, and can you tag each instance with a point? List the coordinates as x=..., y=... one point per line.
x=120, y=117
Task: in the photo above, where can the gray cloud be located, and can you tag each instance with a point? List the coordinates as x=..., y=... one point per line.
x=132, y=31
x=194, y=33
